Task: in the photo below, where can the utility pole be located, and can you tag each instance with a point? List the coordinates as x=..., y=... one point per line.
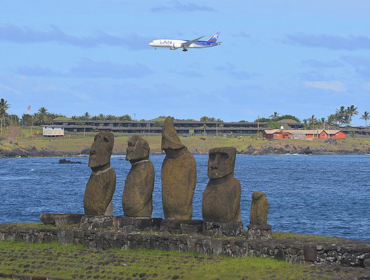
x=258, y=126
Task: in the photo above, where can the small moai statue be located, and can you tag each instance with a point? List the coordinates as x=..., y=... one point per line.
x=137, y=199
x=221, y=198
x=258, y=227
x=102, y=183
x=259, y=209
x=179, y=175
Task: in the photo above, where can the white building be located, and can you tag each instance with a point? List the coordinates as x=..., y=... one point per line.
x=52, y=131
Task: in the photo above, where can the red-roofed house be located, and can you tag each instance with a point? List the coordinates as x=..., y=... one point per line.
x=303, y=134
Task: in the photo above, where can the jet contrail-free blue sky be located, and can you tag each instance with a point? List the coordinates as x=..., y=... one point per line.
x=293, y=57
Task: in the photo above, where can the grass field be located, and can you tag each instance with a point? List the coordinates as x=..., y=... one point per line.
x=74, y=262
x=76, y=142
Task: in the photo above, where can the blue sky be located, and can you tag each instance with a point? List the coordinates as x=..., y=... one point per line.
x=290, y=56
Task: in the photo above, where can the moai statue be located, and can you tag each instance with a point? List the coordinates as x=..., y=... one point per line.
x=137, y=200
x=179, y=175
x=258, y=227
x=259, y=209
x=221, y=198
x=102, y=183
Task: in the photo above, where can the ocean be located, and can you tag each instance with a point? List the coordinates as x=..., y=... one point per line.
x=324, y=195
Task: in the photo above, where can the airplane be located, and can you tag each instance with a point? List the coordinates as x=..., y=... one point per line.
x=185, y=44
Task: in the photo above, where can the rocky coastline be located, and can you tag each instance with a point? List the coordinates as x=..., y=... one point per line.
x=301, y=150
x=269, y=148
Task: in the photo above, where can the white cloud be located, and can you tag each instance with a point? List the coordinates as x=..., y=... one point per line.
x=6, y=89
x=326, y=85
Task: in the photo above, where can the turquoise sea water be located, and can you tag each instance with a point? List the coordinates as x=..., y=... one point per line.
x=324, y=195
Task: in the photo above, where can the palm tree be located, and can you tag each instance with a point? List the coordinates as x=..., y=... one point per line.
x=42, y=116
x=86, y=116
x=4, y=106
x=365, y=117
x=351, y=111
x=313, y=121
x=323, y=123
x=204, y=129
x=274, y=116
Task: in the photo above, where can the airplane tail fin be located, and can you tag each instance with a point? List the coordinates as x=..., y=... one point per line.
x=214, y=37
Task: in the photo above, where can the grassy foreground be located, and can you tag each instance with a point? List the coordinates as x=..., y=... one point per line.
x=74, y=262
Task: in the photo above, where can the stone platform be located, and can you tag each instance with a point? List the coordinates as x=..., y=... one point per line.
x=259, y=232
x=128, y=224
x=102, y=232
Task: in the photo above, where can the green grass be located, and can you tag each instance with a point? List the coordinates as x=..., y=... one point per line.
x=76, y=262
x=76, y=142
x=305, y=237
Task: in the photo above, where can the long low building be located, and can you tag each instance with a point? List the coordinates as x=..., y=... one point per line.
x=304, y=134
x=152, y=124
x=185, y=131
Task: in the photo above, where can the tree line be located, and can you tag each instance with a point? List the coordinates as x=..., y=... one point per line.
x=342, y=117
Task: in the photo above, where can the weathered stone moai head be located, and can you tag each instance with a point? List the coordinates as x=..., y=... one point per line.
x=101, y=150
x=170, y=139
x=102, y=183
x=259, y=209
x=137, y=149
x=221, y=162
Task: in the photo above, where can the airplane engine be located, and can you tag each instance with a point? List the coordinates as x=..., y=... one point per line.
x=175, y=46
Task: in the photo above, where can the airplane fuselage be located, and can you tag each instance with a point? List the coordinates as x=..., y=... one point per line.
x=176, y=44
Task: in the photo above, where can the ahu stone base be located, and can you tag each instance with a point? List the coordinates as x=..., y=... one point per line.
x=222, y=229
x=125, y=223
x=181, y=226
x=128, y=224
x=263, y=232
x=60, y=219
x=342, y=252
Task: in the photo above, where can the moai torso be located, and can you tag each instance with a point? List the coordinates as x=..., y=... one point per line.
x=137, y=200
x=178, y=176
x=102, y=183
x=221, y=198
x=99, y=192
x=178, y=185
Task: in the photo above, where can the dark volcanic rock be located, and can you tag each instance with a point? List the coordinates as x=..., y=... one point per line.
x=66, y=161
x=60, y=219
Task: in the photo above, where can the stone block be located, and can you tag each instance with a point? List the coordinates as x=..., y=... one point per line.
x=367, y=263
x=135, y=224
x=96, y=222
x=181, y=227
x=310, y=253
x=263, y=232
x=222, y=229
x=60, y=219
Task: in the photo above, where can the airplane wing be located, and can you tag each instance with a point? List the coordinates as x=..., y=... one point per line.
x=188, y=43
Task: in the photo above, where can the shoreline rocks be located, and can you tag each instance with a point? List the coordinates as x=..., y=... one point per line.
x=267, y=149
